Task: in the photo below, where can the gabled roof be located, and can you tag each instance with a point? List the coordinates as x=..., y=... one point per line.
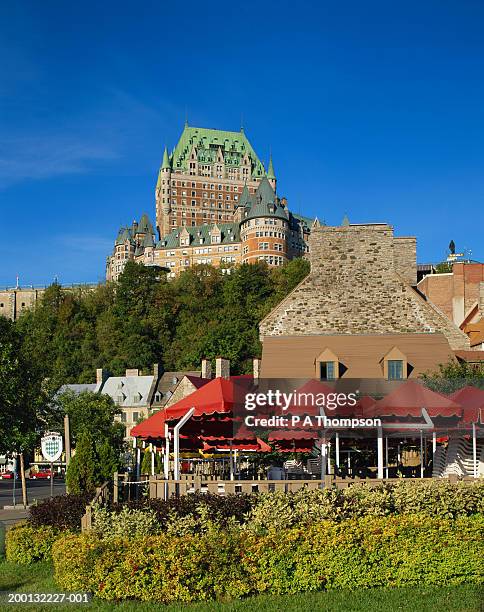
x=124, y=234
x=200, y=235
x=207, y=142
x=128, y=390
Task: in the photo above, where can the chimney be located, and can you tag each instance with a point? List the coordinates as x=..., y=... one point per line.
x=222, y=368
x=206, y=368
x=132, y=372
x=157, y=371
x=101, y=376
x=256, y=368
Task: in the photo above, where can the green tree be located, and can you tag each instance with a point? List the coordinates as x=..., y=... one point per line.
x=23, y=398
x=454, y=375
x=83, y=474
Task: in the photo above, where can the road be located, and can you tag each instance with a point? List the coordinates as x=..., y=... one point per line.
x=36, y=490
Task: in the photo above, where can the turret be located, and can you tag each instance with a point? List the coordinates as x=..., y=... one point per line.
x=163, y=207
x=271, y=177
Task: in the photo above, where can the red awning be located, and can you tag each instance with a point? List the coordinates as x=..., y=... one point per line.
x=410, y=398
x=472, y=401
x=216, y=397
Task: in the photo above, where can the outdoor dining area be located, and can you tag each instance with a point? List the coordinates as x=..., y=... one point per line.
x=206, y=444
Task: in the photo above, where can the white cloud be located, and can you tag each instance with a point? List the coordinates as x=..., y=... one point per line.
x=36, y=157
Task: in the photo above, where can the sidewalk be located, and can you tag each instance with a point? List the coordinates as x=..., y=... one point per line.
x=10, y=517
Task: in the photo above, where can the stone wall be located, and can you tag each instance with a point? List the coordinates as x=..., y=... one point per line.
x=405, y=258
x=354, y=288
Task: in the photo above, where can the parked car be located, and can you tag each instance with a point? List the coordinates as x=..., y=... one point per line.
x=41, y=474
x=7, y=474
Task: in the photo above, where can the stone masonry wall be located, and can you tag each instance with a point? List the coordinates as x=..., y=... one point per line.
x=353, y=288
x=405, y=258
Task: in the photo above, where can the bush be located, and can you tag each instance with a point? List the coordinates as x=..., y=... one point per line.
x=355, y=553
x=127, y=523
x=61, y=512
x=215, y=508
x=26, y=544
x=278, y=510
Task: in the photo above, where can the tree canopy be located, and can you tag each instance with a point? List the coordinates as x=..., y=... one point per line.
x=144, y=319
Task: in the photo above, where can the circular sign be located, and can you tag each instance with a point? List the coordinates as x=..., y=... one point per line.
x=51, y=445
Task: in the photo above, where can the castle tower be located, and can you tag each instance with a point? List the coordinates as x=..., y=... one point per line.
x=264, y=229
x=162, y=196
x=271, y=177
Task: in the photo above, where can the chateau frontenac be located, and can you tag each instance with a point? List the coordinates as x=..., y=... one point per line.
x=215, y=204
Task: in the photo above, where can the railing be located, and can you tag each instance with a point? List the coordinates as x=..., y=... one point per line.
x=159, y=488
x=102, y=497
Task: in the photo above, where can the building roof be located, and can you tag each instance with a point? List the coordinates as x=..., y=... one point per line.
x=145, y=226
x=200, y=235
x=78, y=388
x=266, y=203
x=270, y=171
x=475, y=331
x=169, y=381
x=165, y=164
x=128, y=390
x=207, y=142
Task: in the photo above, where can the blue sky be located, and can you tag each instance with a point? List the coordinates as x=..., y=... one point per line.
x=374, y=109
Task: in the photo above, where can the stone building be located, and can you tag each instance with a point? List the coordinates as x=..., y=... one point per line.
x=15, y=300
x=216, y=205
x=357, y=314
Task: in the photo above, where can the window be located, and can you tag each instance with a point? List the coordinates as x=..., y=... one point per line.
x=327, y=370
x=135, y=416
x=395, y=369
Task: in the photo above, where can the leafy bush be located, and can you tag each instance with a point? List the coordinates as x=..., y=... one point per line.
x=227, y=563
x=127, y=523
x=26, y=544
x=215, y=508
x=304, y=507
x=61, y=512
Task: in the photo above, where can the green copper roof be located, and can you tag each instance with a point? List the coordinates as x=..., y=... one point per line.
x=266, y=203
x=166, y=162
x=234, y=146
x=200, y=235
x=270, y=171
x=124, y=234
x=145, y=226
x=245, y=197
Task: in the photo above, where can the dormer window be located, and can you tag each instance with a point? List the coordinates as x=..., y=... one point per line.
x=395, y=369
x=328, y=366
x=157, y=396
x=395, y=365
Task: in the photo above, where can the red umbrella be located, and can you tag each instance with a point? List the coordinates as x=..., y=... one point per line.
x=472, y=401
x=410, y=398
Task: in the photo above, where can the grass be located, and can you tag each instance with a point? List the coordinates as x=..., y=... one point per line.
x=38, y=578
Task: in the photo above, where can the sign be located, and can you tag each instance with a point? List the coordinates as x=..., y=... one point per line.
x=51, y=445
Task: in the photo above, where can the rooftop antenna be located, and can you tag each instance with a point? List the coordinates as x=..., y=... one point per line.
x=186, y=116
x=17, y=282
x=241, y=121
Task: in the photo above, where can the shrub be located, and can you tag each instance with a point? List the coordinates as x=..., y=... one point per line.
x=26, y=544
x=127, y=523
x=355, y=553
x=61, y=512
x=215, y=508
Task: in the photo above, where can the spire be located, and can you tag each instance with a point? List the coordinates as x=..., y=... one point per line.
x=270, y=171
x=316, y=223
x=346, y=221
x=166, y=161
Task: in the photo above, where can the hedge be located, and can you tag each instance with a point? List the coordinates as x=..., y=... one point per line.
x=26, y=544
x=228, y=563
x=60, y=512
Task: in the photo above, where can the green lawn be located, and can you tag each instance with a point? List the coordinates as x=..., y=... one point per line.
x=38, y=578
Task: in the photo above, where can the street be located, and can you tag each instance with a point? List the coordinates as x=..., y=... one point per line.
x=36, y=490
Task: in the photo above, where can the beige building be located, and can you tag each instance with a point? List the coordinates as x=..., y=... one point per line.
x=15, y=300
